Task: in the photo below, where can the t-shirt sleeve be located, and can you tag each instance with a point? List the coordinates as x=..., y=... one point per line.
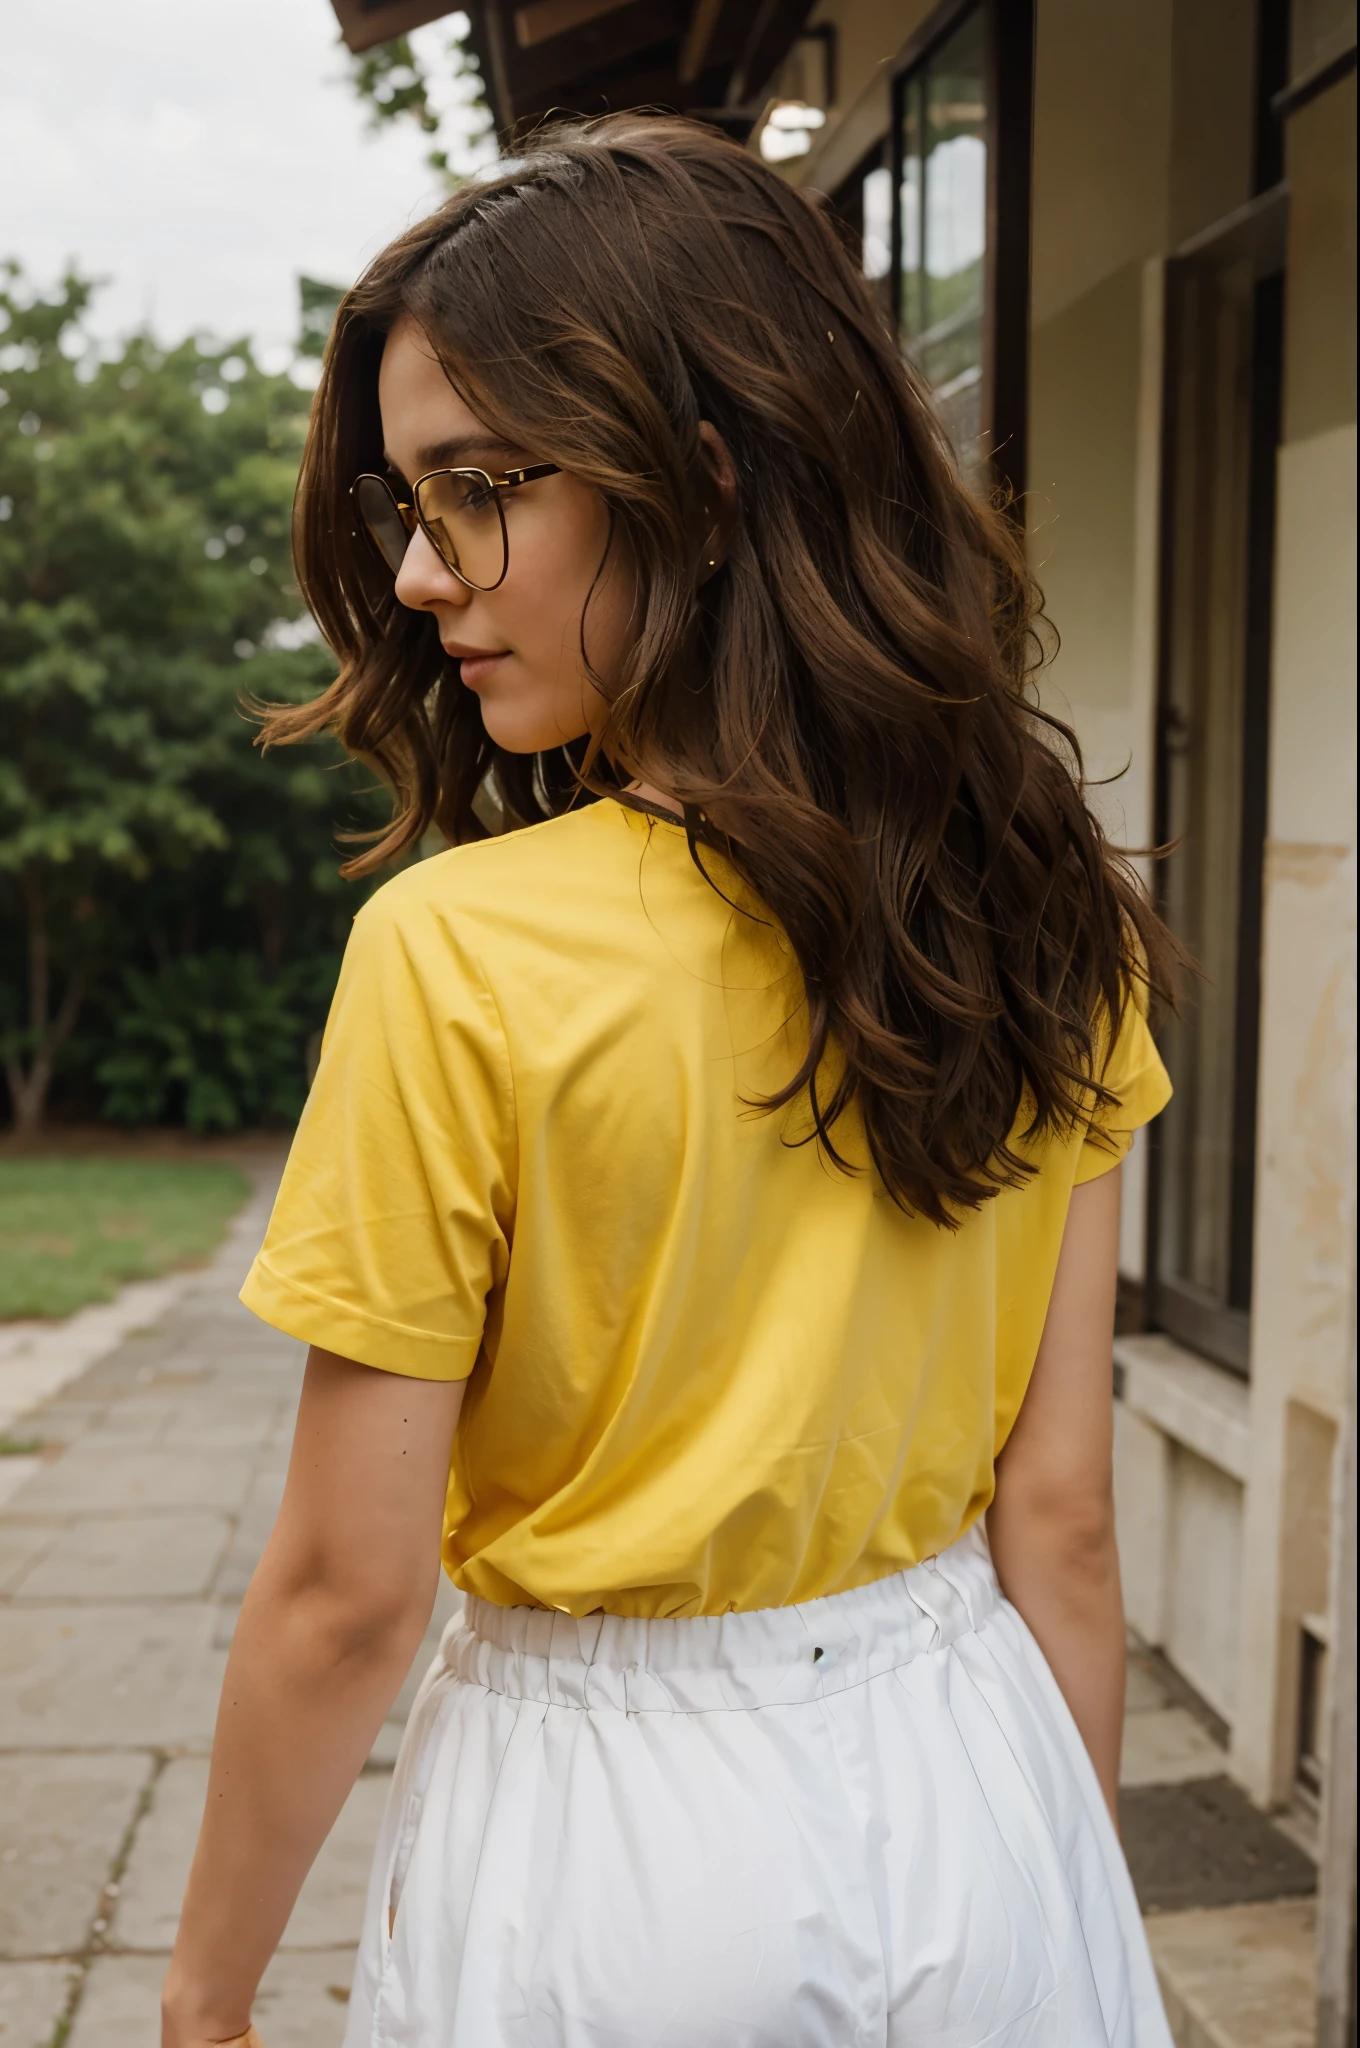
x=1135, y=1075
x=392, y=1225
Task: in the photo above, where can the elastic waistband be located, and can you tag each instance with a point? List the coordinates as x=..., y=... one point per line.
x=776, y=1655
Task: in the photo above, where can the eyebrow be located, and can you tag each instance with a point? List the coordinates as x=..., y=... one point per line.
x=453, y=453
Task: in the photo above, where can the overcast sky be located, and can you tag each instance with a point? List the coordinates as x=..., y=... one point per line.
x=198, y=153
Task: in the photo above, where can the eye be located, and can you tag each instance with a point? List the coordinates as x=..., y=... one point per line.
x=474, y=495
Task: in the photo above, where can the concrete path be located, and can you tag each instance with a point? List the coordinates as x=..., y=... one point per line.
x=126, y=1543
x=1227, y=1893
x=124, y=1552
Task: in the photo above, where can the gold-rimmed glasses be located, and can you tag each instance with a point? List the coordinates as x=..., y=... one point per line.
x=458, y=510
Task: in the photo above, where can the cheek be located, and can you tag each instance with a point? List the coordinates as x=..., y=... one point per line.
x=564, y=598
x=611, y=615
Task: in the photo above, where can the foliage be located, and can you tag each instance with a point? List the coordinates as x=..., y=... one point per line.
x=317, y=303
x=73, y=1231
x=433, y=80
x=208, y=1041
x=145, y=584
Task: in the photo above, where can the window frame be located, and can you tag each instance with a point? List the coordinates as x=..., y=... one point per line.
x=847, y=203
x=1008, y=27
x=1217, y=1328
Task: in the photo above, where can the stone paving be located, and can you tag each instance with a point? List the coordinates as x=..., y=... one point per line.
x=125, y=1548
x=126, y=1542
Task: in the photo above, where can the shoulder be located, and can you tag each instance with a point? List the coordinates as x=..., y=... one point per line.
x=493, y=884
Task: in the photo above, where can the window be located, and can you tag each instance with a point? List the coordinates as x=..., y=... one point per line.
x=1221, y=430
x=1222, y=424
x=942, y=141
x=865, y=204
x=960, y=230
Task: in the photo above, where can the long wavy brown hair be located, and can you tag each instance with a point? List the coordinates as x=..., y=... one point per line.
x=845, y=708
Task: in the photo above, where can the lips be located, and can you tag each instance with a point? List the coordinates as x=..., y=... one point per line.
x=474, y=665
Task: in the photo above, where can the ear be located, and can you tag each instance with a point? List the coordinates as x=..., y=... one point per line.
x=719, y=499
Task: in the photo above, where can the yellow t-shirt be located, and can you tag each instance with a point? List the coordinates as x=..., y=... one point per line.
x=707, y=1370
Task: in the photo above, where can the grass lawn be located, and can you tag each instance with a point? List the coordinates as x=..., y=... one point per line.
x=74, y=1231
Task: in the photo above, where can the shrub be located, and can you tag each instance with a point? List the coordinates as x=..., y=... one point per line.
x=210, y=1041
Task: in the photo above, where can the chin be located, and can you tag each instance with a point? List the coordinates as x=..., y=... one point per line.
x=516, y=729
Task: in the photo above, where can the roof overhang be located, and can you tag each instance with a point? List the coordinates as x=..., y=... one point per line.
x=714, y=58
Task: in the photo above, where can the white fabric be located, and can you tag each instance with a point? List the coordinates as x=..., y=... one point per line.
x=866, y=1822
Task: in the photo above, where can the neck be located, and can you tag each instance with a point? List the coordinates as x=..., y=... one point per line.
x=656, y=799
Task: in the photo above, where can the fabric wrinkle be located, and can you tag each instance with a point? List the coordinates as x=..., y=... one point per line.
x=719, y=1374
x=641, y=1833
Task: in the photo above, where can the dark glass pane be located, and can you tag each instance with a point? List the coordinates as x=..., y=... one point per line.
x=876, y=202
x=913, y=276
x=1223, y=413
x=944, y=228
x=864, y=204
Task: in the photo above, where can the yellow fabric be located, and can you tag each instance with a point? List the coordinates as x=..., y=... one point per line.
x=708, y=1370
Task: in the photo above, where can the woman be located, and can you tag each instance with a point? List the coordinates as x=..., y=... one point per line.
x=705, y=1211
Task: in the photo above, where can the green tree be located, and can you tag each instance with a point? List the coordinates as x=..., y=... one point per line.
x=442, y=94
x=145, y=583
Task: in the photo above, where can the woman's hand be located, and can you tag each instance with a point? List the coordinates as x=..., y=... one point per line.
x=173, y=2037
x=183, y=2026
x=327, y=1631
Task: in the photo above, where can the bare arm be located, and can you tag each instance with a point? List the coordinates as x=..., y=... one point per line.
x=331, y=1621
x=1051, y=1525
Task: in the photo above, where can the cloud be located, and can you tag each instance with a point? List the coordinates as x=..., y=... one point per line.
x=200, y=158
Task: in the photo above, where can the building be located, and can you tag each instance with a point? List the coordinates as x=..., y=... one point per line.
x=1119, y=237
x=1120, y=241
x=709, y=57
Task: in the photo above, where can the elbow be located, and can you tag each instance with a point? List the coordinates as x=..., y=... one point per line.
x=351, y=1616
x=1066, y=1534
x=1083, y=1547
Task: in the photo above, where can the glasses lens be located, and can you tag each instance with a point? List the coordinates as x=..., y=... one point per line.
x=461, y=512
x=378, y=510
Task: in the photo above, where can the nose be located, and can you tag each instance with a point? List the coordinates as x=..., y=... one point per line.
x=425, y=580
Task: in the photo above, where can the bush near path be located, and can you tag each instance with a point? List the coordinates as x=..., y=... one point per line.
x=145, y=589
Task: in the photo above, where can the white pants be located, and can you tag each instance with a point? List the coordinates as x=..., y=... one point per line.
x=865, y=1822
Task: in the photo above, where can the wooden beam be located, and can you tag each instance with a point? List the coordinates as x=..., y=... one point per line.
x=698, y=36
x=601, y=58
x=775, y=29
x=609, y=93
x=364, y=24
x=540, y=20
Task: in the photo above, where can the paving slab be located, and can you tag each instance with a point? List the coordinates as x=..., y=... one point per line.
x=21, y=1545
x=99, y=1476
x=132, y=1421
x=301, y=2003
x=131, y=1557
x=251, y=1533
x=1143, y=1688
x=137, y=1677
x=152, y=1886
x=225, y=1408
x=1167, y=1746
x=37, y=1359
x=1240, y=1977
x=65, y=1818
x=16, y=1470
x=33, y=1997
x=329, y=1909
